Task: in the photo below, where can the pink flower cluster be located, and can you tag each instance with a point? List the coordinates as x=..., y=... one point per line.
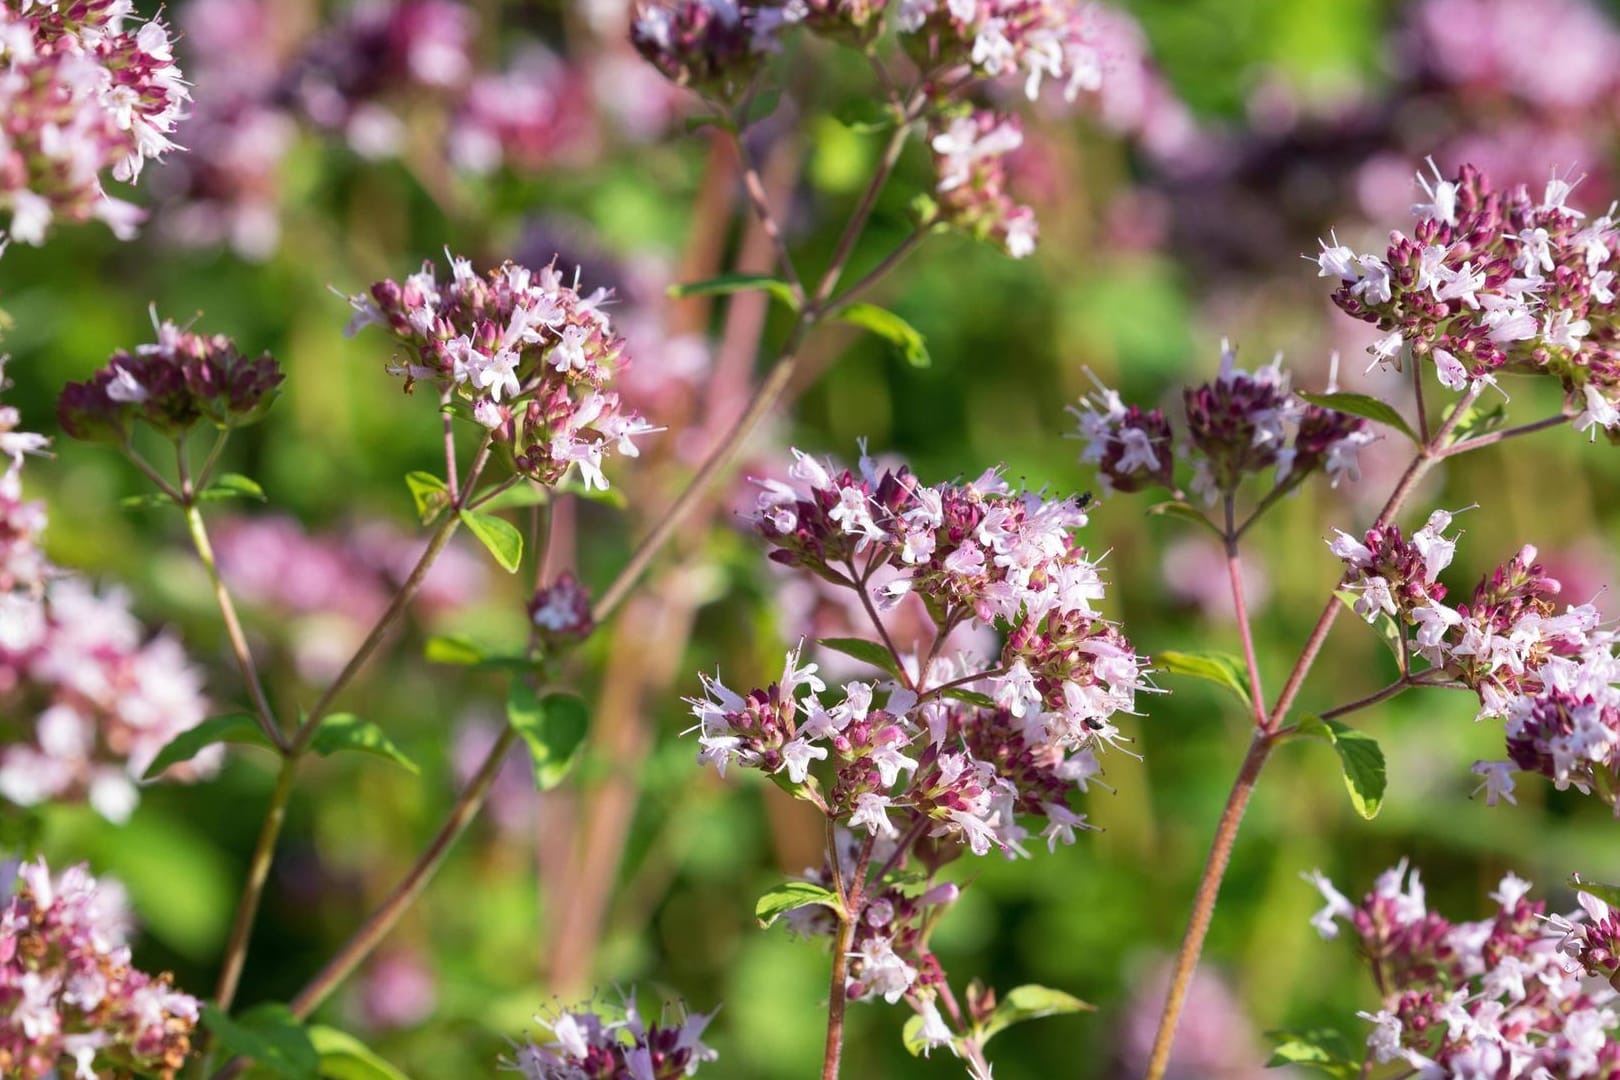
x=1034, y=39
x=713, y=47
x=1549, y=675
x=594, y=1042
x=528, y=116
x=82, y=94
x=1238, y=425
x=175, y=383
x=533, y=357
x=970, y=158
x=68, y=995
x=1493, y=998
x=353, y=77
x=88, y=699
x=973, y=552
x=1494, y=283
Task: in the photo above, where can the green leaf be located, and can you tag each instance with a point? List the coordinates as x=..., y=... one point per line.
x=911, y=1035
x=452, y=649
x=429, y=493
x=517, y=496
x=1185, y=512
x=1218, y=668
x=1609, y=894
x=500, y=536
x=1384, y=624
x=554, y=728
x=760, y=106
x=1359, y=756
x=891, y=328
x=866, y=115
x=794, y=894
x=725, y=284
x=867, y=652
x=271, y=1036
x=232, y=486
x=1368, y=408
x=809, y=789
x=344, y=1057
x=345, y=731
x=1476, y=420
x=1317, y=1048
x=1029, y=1002
x=698, y=123
x=972, y=697
x=235, y=728
x=145, y=502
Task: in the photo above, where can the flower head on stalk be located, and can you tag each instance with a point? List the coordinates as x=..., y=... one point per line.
x=1034, y=40
x=69, y=997
x=532, y=357
x=85, y=90
x=1496, y=998
x=714, y=47
x=970, y=149
x=87, y=696
x=1550, y=675
x=595, y=1040
x=1238, y=425
x=1496, y=283
x=173, y=384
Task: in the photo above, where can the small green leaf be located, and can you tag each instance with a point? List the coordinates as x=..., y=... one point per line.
x=808, y=790
x=145, y=502
x=735, y=283
x=972, y=697
x=1360, y=758
x=891, y=328
x=236, y=728
x=760, y=106
x=1476, y=420
x=1317, y=1048
x=517, y=496
x=866, y=115
x=1218, y=668
x=1029, y=1002
x=345, y=731
x=1609, y=894
x=1185, y=512
x=1368, y=408
x=500, y=536
x=794, y=894
x=614, y=497
x=554, y=727
x=912, y=1036
x=344, y=1057
x=271, y=1036
x=452, y=649
x=430, y=495
x=232, y=486
x=867, y=652
x=1386, y=627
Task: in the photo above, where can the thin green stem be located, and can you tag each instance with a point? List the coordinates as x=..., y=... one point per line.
x=233, y=630
x=247, y=906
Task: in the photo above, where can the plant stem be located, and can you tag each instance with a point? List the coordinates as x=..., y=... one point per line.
x=860, y=581
x=1396, y=687
x=1506, y=433
x=836, y=993
x=872, y=276
x=1209, y=887
x=247, y=906
x=1234, y=573
x=1237, y=801
x=382, y=920
x=233, y=630
x=863, y=211
x=755, y=186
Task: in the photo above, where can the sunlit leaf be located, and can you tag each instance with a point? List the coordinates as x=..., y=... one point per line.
x=1319, y=1048
x=1360, y=758
x=1366, y=407
x=345, y=731
x=794, y=894
x=232, y=486
x=430, y=495
x=725, y=284
x=891, y=328
x=344, y=1057
x=1029, y=1002
x=500, y=536
x=868, y=652
x=236, y=728
x=1218, y=668
x=271, y=1036
x=554, y=727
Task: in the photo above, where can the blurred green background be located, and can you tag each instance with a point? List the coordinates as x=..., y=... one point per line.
x=1295, y=99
